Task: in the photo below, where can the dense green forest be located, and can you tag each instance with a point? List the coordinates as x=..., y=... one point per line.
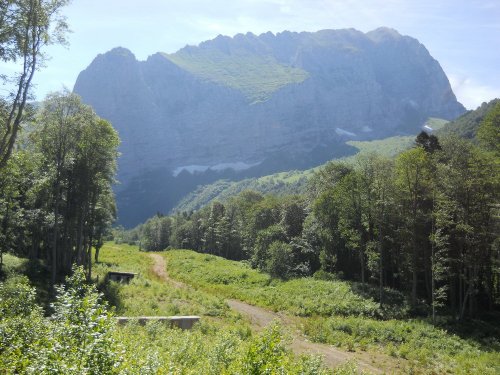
x=425, y=223
x=57, y=201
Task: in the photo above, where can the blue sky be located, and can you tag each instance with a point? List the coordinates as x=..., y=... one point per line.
x=463, y=35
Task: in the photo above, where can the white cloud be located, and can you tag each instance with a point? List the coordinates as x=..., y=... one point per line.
x=471, y=93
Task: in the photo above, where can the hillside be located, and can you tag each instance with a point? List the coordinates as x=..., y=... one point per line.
x=256, y=76
x=466, y=126
x=292, y=182
x=252, y=105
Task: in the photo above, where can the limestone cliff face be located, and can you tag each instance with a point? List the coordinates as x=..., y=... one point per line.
x=246, y=98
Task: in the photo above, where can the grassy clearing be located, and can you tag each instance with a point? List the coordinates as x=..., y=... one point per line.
x=301, y=297
x=333, y=312
x=146, y=294
x=426, y=347
x=212, y=347
x=341, y=314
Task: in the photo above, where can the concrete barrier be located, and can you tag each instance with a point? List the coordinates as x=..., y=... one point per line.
x=182, y=322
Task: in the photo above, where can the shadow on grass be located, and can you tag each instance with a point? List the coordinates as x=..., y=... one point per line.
x=484, y=330
x=38, y=275
x=395, y=304
x=111, y=292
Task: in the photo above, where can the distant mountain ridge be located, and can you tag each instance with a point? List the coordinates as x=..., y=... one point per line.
x=270, y=102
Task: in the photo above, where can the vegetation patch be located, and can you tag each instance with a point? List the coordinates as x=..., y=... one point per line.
x=257, y=77
x=301, y=297
x=427, y=347
x=146, y=294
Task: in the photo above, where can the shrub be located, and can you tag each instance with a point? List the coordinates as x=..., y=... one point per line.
x=76, y=339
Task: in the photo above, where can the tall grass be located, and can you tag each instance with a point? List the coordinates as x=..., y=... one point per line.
x=344, y=315
x=302, y=297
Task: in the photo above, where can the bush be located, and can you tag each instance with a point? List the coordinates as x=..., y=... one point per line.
x=76, y=339
x=280, y=261
x=22, y=326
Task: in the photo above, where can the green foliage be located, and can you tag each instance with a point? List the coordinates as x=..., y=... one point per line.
x=57, y=201
x=426, y=348
x=293, y=182
x=489, y=131
x=265, y=237
x=75, y=339
x=267, y=354
x=208, y=349
x=280, y=261
x=467, y=125
x=82, y=329
x=23, y=330
x=156, y=233
x=235, y=280
x=26, y=29
x=257, y=77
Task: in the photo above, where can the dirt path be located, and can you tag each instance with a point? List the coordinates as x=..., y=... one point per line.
x=160, y=270
x=260, y=318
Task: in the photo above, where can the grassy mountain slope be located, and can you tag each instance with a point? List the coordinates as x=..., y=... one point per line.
x=466, y=126
x=256, y=76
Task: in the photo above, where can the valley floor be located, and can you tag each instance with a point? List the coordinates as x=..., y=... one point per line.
x=250, y=323
x=331, y=319
x=260, y=318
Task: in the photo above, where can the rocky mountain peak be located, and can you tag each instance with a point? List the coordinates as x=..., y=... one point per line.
x=270, y=101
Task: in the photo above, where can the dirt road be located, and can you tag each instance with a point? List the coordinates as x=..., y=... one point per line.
x=160, y=270
x=260, y=318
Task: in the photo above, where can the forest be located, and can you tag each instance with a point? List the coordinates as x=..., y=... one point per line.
x=425, y=223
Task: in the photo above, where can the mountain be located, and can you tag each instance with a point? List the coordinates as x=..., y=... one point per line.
x=252, y=105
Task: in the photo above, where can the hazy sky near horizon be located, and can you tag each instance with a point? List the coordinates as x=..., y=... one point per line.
x=463, y=35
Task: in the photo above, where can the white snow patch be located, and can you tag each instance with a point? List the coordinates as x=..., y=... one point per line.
x=366, y=129
x=340, y=131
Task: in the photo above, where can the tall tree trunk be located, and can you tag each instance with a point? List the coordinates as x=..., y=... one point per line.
x=381, y=262
x=96, y=254
x=362, y=261
x=414, y=279
x=79, y=242
x=54, y=244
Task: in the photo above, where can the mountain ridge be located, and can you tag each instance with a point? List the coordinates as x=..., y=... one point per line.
x=283, y=101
